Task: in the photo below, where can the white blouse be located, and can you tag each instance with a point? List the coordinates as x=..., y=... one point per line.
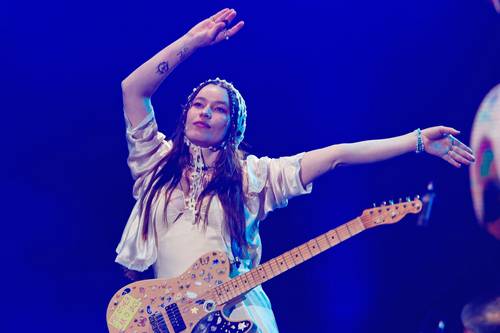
x=176, y=245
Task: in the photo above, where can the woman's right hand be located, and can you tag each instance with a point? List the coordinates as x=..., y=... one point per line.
x=214, y=29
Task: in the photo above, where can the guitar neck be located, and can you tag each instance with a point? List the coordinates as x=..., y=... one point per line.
x=280, y=264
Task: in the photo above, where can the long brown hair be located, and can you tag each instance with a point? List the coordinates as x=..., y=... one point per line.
x=226, y=182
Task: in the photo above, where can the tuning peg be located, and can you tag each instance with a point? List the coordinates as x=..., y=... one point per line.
x=417, y=197
x=391, y=202
x=384, y=203
x=400, y=200
x=374, y=205
x=408, y=199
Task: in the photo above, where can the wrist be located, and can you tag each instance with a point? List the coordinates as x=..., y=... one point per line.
x=191, y=42
x=419, y=141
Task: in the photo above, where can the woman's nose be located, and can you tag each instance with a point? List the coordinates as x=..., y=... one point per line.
x=206, y=112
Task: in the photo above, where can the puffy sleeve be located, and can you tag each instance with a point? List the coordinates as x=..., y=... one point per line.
x=273, y=182
x=133, y=251
x=146, y=148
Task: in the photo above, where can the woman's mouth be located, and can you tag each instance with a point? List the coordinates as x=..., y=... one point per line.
x=201, y=124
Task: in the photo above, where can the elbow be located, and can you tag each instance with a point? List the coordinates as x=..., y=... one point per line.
x=126, y=87
x=130, y=89
x=335, y=164
x=337, y=156
x=125, y=84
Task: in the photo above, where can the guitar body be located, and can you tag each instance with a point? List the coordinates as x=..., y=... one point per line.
x=182, y=304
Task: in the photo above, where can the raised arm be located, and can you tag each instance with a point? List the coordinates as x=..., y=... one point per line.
x=438, y=141
x=141, y=84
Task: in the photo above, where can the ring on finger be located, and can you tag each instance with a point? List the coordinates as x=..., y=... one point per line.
x=226, y=35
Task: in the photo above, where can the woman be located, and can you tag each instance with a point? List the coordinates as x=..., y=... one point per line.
x=198, y=192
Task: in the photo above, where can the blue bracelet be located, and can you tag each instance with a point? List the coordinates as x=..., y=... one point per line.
x=420, y=143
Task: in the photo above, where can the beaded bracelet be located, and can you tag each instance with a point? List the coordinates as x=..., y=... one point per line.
x=420, y=143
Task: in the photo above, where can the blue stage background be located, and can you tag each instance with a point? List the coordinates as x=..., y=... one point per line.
x=313, y=73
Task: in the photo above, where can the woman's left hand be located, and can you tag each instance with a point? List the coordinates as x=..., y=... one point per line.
x=439, y=141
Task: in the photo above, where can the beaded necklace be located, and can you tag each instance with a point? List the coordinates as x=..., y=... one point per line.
x=198, y=177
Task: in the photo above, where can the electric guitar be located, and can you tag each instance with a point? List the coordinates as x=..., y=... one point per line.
x=194, y=301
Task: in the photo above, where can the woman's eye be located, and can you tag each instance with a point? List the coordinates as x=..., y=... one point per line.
x=197, y=104
x=220, y=109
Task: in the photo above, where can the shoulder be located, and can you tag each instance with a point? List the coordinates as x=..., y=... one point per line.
x=255, y=170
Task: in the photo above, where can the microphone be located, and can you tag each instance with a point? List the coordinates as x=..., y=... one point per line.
x=427, y=201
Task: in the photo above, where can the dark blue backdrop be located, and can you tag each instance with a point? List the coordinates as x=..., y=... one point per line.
x=314, y=73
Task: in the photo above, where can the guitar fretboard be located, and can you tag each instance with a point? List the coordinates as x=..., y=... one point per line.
x=245, y=282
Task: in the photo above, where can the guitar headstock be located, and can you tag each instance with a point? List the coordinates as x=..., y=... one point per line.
x=390, y=213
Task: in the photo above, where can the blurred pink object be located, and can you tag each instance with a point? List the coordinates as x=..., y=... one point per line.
x=496, y=3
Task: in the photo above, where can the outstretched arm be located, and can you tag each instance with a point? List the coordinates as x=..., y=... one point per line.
x=438, y=141
x=141, y=84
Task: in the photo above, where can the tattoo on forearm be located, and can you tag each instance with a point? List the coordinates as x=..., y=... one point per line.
x=183, y=53
x=162, y=68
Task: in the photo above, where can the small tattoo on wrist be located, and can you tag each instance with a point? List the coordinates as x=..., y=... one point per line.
x=183, y=53
x=162, y=68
